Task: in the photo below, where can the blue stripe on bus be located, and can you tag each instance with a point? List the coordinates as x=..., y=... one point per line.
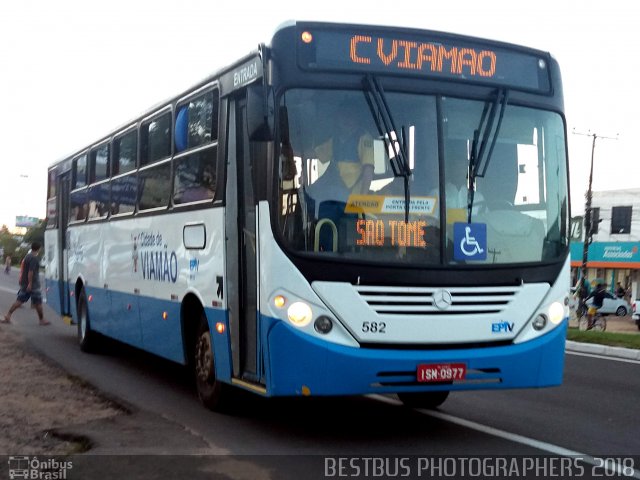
x=297, y=360
x=52, y=290
x=138, y=321
x=221, y=343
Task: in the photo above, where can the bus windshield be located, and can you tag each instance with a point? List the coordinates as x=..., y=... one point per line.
x=342, y=190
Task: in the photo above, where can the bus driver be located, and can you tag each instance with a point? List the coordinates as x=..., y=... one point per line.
x=349, y=154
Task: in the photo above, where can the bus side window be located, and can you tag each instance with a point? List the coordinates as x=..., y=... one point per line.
x=99, y=171
x=52, y=201
x=123, y=194
x=78, y=210
x=155, y=144
x=99, y=164
x=79, y=172
x=124, y=188
x=78, y=196
x=196, y=127
x=154, y=186
x=155, y=139
x=195, y=177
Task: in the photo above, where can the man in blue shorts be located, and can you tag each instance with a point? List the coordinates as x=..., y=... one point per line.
x=29, y=285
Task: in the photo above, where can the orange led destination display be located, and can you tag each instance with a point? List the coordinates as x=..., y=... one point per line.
x=383, y=232
x=420, y=56
x=426, y=54
x=395, y=233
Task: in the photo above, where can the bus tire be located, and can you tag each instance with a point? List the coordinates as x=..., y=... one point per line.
x=428, y=400
x=86, y=337
x=212, y=393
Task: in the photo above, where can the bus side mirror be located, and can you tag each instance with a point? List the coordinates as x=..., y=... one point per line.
x=260, y=113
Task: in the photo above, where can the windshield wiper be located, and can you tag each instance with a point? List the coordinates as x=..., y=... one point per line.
x=477, y=154
x=386, y=128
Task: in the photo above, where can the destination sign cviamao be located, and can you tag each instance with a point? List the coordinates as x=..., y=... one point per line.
x=424, y=55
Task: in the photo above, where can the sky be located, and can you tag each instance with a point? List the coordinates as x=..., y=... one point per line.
x=72, y=71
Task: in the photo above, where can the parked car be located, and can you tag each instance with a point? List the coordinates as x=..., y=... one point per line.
x=635, y=308
x=613, y=305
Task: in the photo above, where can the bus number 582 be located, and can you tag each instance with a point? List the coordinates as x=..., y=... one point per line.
x=374, y=327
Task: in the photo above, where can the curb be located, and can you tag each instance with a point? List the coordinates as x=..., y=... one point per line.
x=597, y=349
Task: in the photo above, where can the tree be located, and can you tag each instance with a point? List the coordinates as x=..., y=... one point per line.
x=17, y=246
x=35, y=234
x=8, y=242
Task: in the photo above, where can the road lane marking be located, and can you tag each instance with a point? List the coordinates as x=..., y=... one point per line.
x=513, y=437
x=605, y=357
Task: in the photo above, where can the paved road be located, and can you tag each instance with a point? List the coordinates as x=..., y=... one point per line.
x=593, y=413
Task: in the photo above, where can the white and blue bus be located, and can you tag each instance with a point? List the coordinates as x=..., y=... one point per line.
x=348, y=210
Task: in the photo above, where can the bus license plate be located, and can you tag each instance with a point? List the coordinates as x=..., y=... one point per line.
x=441, y=372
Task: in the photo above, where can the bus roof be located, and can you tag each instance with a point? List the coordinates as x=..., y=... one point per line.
x=350, y=48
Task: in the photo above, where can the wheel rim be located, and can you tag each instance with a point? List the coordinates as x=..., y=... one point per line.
x=83, y=319
x=204, y=359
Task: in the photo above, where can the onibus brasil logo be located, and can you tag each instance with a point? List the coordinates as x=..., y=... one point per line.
x=33, y=468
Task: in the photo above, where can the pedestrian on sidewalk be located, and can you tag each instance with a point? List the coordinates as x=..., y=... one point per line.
x=29, y=282
x=7, y=264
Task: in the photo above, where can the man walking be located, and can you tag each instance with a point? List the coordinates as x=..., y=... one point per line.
x=598, y=296
x=29, y=285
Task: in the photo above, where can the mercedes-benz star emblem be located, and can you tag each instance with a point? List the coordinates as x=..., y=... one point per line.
x=442, y=299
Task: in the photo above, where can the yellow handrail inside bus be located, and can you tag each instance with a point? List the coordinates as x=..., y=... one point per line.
x=334, y=231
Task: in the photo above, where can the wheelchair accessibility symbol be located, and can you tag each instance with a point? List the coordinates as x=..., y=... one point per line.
x=470, y=241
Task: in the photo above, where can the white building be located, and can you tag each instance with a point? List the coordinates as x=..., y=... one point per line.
x=614, y=254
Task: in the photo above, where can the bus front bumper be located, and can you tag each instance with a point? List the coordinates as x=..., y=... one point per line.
x=303, y=365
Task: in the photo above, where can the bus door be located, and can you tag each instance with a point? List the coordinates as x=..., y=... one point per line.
x=241, y=257
x=64, y=189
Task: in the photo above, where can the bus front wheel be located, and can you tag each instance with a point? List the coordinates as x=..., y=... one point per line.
x=423, y=399
x=213, y=394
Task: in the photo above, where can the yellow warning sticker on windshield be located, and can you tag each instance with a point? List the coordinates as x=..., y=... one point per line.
x=380, y=204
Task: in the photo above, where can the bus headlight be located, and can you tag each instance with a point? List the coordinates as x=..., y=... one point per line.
x=556, y=313
x=299, y=313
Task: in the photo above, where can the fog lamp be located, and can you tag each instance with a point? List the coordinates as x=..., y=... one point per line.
x=323, y=324
x=540, y=322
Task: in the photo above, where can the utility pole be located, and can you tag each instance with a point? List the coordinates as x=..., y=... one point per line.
x=588, y=226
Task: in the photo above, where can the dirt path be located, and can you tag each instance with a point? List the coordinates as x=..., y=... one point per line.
x=37, y=397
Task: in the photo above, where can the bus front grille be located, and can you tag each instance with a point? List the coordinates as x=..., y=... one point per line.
x=387, y=300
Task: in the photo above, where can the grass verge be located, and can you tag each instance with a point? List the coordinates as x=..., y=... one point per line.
x=627, y=340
